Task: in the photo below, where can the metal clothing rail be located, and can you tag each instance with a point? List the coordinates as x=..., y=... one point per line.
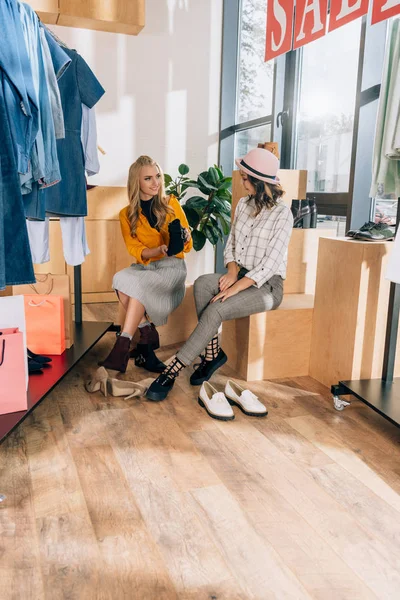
x=382, y=395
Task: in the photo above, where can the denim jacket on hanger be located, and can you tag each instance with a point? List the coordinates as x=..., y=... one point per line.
x=19, y=95
x=44, y=161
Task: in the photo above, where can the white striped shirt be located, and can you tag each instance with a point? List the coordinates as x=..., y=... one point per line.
x=260, y=243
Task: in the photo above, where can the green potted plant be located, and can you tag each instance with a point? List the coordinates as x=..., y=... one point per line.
x=209, y=215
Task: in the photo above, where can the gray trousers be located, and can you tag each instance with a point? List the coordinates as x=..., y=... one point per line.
x=245, y=303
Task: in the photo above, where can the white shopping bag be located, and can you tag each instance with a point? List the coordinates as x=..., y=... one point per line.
x=12, y=314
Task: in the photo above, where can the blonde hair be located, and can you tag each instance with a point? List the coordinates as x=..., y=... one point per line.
x=160, y=203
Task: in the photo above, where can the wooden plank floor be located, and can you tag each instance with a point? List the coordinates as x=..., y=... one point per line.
x=115, y=499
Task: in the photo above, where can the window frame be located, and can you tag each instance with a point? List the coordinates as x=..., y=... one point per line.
x=351, y=204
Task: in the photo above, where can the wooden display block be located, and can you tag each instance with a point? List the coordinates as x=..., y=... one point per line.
x=47, y=10
x=116, y=16
x=350, y=313
x=108, y=253
x=181, y=322
x=273, y=344
x=302, y=260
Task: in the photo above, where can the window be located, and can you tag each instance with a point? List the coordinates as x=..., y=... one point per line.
x=326, y=106
x=255, y=77
x=250, y=138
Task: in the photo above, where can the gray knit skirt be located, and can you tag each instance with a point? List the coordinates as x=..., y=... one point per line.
x=159, y=286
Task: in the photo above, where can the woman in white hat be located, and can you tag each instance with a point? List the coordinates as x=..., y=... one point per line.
x=255, y=256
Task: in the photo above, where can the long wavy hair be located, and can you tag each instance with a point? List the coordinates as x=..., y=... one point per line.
x=266, y=196
x=160, y=202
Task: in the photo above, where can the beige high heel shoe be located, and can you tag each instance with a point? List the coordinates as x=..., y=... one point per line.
x=98, y=382
x=129, y=389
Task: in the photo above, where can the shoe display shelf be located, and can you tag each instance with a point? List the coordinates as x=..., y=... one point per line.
x=86, y=335
x=354, y=336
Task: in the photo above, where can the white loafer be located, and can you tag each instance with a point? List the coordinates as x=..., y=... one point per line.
x=215, y=403
x=244, y=399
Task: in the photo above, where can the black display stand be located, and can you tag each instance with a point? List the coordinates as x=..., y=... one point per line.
x=382, y=395
x=86, y=335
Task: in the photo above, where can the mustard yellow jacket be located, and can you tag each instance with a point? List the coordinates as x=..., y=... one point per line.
x=148, y=237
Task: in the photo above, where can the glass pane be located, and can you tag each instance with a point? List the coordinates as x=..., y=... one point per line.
x=256, y=77
x=326, y=109
x=386, y=209
x=250, y=138
x=332, y=222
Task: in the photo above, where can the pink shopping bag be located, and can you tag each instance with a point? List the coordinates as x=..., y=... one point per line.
x=13, y=397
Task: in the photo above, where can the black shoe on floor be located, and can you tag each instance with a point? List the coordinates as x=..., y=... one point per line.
x=34, y=367
x=146, y=358
x=160, y=388
x=206, y=368
x=38, y=357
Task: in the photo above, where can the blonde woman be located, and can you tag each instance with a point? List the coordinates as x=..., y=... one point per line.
x=255, y=257
x=157, y=235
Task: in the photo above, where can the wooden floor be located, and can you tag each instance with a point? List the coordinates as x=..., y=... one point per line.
x=114, y=499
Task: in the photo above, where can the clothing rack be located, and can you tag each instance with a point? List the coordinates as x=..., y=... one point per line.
x=382, y=395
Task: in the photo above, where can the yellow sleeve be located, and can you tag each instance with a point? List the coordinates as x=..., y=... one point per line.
x=135, y=248
x=179, y=214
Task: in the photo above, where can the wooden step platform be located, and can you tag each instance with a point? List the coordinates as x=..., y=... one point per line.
x=273, y=344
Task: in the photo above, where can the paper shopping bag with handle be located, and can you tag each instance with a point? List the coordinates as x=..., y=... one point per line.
x=13, y=397
x=57, y=285
x=45, y=328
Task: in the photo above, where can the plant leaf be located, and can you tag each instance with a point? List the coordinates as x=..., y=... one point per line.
x=167, y=179
x=192, y=216
x=211, y=235
x=198, y=203
x=219, y=171
x=225, y=225
x=213, y=176
x=183, y=169
x=225, y=185
x=206, y=185
x=199, y=239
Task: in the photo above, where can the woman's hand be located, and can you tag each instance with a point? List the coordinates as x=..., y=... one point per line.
x=163, y=249
x=187, y=235
x=228, y=293
x=154, y=252
x=227, y=280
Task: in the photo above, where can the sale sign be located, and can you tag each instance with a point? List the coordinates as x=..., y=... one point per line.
x=384, y=9
x=311, y=19
x=310, y=22
x=279, y=28
x=344, y=11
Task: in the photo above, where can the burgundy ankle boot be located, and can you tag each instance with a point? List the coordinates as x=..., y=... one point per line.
x=118, y=358
x=149, y=336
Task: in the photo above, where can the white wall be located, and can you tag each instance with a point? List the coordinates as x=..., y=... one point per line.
x=162, y=92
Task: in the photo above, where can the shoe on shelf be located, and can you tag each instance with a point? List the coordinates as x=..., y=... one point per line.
x=34, y=368
x=215, y=403
x=368, y=225
x=38, y=357
x=146, y=358
x=118, y=358
x=248, y=402
x=160, y=388
x=206, y=368
x=314, y=214
x=98, y=382
x=380, y=232
x=301, y=214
